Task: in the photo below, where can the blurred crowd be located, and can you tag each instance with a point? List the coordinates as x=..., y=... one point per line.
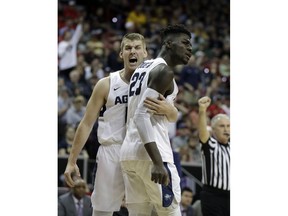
x=92, y=30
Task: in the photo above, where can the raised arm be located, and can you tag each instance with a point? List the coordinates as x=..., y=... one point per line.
x=203, y=103
x=95, y=103
x=78, y=31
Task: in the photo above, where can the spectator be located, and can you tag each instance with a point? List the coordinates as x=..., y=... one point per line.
x=137, y=17
x=186, y=201
x=181, y=138
x=191, y=74
x=114, y=62
x=64, y=103
x=75, y=202
x=215, y=108
x=76, y=112
x=67, y=51
x=224, y=66
x=95, y=44
x=95, y=69
x=76, y=86
x=65, y=144
x=225, y=104
x=194, y=150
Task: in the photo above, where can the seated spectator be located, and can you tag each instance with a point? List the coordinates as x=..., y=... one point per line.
x=114, y=62
x=186, y=201
x=225, y=104
x=194, y=150
x=191, y=73
x=95, y=69
x=215, y=107
x=181, y=138
x=75, y=202
x=224, y=66
x=137, y=17
x=95, y=44
x=64, y=103
x=76, y=112
x=64, y=146
x=76, y=86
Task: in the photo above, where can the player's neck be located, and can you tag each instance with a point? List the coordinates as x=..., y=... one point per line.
x=167, y=57
x=125, y=76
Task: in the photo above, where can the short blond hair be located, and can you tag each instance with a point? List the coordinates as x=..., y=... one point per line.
x=131, y=37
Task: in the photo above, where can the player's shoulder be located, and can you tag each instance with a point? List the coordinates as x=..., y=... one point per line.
x=104, y=81
x=161, y=70
x=103, y=85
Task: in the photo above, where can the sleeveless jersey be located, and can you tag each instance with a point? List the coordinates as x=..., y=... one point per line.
x=132, y=147
x=112, y=117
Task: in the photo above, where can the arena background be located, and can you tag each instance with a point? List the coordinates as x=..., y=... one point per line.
x=258, y=52
x=208, y=72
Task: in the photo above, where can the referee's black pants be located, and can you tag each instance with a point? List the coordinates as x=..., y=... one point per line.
x=214, y=204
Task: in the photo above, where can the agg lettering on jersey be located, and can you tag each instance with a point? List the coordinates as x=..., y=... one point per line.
x=121, y=99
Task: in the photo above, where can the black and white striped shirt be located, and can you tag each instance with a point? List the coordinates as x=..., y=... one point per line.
x=216, y=164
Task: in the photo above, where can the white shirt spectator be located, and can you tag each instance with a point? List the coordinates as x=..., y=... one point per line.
x=67, y=50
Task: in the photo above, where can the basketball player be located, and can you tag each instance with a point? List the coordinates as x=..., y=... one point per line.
x=150, y=175
x=110, y=94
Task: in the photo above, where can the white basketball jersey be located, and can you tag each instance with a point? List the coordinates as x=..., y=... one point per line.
x=112, y=118
x=132, y=147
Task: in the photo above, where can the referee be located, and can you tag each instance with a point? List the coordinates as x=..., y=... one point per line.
x=215, y=196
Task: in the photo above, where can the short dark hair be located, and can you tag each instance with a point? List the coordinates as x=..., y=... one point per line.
x=174, y=29
x=186, y=189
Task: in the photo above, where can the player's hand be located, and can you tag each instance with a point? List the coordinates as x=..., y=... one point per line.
x=157, y=106
x=71, y=170
x=204, y=102
x=160, y=175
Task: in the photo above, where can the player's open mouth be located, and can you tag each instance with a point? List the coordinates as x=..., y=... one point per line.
x=133, y=60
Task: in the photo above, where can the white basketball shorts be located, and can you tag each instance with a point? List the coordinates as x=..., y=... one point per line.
x=139, y=189
x=108, y=192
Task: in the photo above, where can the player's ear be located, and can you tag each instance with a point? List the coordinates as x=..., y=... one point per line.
x=168, y=43
x=145, y=53
x=121, y=55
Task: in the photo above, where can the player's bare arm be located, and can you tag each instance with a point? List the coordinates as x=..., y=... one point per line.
x=95, y=103
x=161, y=80
x=156, y=85
x=203, y=103
x=160, y=106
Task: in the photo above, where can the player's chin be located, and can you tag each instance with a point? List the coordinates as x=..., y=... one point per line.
x=185, y=61
x=133, y=66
